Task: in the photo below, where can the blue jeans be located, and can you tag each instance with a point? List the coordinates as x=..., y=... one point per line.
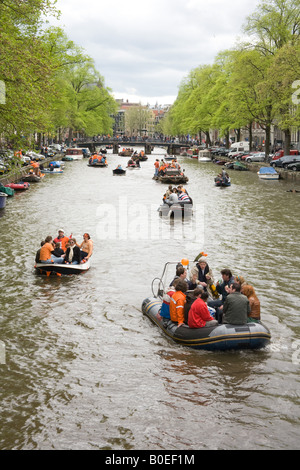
x=52, y=260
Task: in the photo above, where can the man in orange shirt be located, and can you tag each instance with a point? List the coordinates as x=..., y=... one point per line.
x=177, y=302
x=62, y=239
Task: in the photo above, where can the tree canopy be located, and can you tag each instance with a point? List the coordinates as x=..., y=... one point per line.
x=50, y=83
x=253, y=82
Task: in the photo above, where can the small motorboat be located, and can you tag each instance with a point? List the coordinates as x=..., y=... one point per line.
x=236, y=166
x=132, y=165
x=126, y=152
x=22, y=186
x=119, y=171
x=172, y=176
x=3, y=198
x=60, y=269
x=67, y=159
x=222, y=181
x=268, y=173
x=221, y=337
x=204, y=156
x=32, y=178
x=97, y=161
x=179, y=210
x=74, y=153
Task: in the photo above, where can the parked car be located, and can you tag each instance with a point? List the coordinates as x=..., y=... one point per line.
x=280, y=153
x=3, y=168
x=294, y=166
x=35, y=156
x=255, y=157
x=284, y=161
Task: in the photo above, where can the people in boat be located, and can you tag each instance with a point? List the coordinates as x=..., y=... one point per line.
x=227, y=280
x=199, y=315
x=169, y=191
x=156, y=167
x=183, y=196
x=240, y=279
x=86, y=247
x=236, y=308
x=58, y=251
x=177, y=302
x=173, y=198
x=61, y=239
x=204, y=273
x=222, y=289
x=181, y=273
x=249, y=292
x=37, y=255
x=46, y=253
x=165, y=307
x=73, y=253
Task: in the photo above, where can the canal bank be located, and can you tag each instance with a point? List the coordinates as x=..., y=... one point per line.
x=17, y=174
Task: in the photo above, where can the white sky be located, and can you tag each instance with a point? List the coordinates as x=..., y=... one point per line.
x=144, y=49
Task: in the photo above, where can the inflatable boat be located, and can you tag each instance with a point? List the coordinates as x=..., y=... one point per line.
x=18, y=186
x=59, y=269
x=221, y=337
x=216, y=338
x=119, y=171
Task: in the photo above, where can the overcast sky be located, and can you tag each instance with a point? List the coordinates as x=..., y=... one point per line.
x=144, y=49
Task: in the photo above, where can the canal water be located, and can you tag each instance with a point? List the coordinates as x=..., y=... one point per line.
x=82, y=368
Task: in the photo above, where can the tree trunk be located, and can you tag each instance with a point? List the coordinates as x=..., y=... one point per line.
x=250, y=136
x=287, y=141
x=227, y=140
x=267, y=141
x=208, y=141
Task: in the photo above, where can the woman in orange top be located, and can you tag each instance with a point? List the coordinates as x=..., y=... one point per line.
x=46, y=256
x=177, y=302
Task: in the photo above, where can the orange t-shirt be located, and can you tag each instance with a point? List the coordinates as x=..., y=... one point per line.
x=63, y=242
x=46, y=251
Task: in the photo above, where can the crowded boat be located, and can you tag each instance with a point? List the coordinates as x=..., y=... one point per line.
x=63, y=254
x=176, y=203
x=195, y=311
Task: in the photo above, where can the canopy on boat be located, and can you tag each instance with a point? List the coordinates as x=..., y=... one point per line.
x=267, y=170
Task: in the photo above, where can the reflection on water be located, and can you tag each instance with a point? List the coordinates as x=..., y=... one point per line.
x=85, y=370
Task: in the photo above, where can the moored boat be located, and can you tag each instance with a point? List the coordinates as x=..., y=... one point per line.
x=18, y=186
x=32, y=178
x=268, y=173
x=74, y=153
